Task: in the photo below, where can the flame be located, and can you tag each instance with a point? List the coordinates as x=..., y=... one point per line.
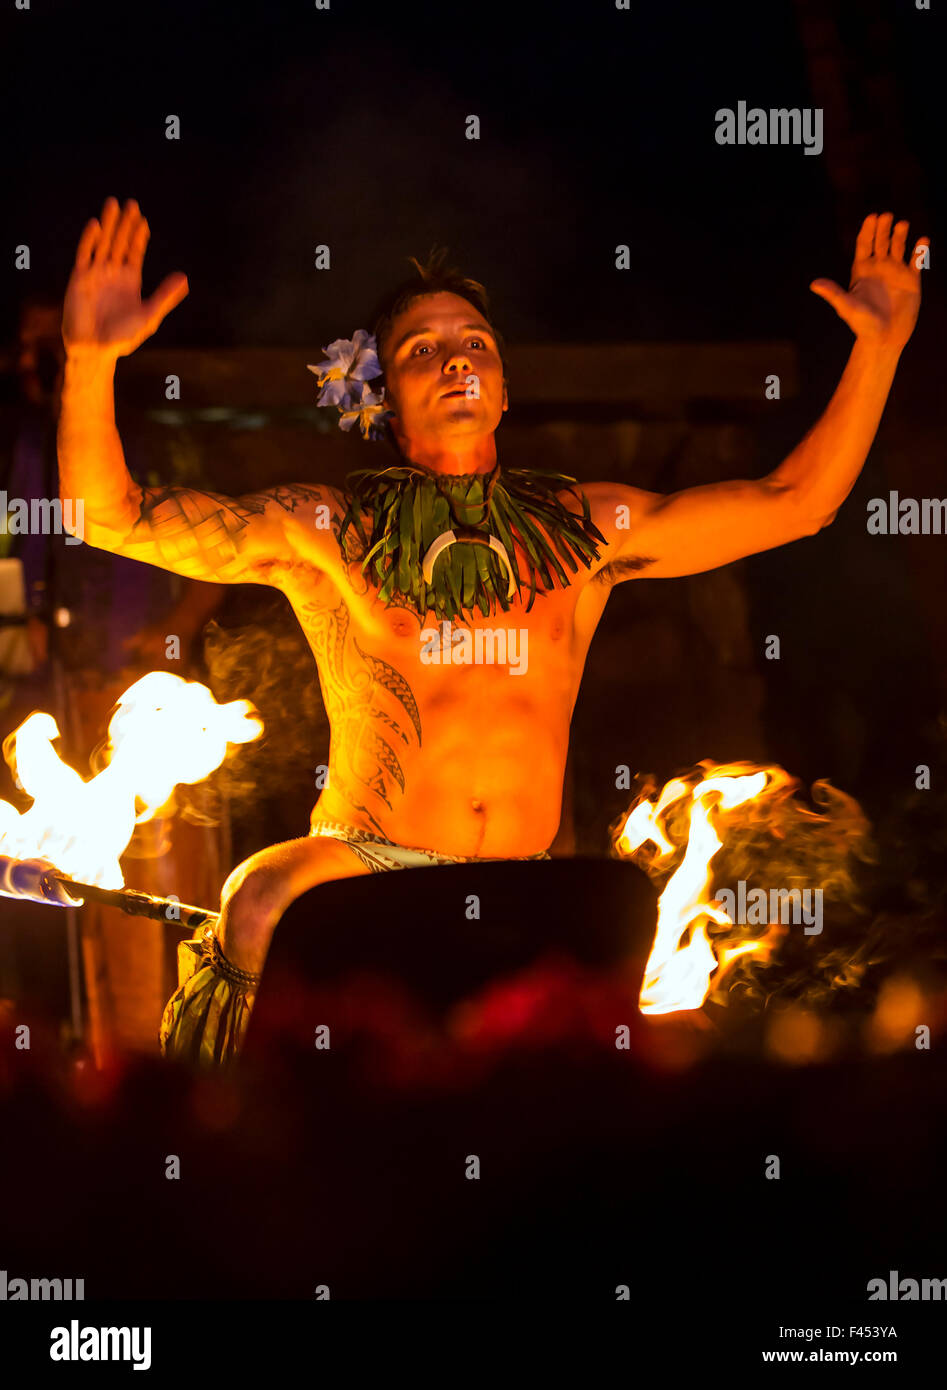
x=678, y=972
x=165, y=731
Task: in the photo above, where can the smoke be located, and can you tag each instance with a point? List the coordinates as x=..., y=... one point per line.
x=779, y=840
x=883, y=898
x=268, y=663
x=782, y=839
x=912, y=833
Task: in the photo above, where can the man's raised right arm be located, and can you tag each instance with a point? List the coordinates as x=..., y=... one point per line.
x=203, y=535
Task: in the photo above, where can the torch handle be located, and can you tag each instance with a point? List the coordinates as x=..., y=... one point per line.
x=40, y=881
x=138, y=904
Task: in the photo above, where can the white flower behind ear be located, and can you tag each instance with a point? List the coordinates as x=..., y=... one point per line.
x=349, y=362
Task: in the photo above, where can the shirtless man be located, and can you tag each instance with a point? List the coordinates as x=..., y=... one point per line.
x=433, y=785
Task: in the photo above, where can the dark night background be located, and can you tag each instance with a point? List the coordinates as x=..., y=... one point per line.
x=346, y=127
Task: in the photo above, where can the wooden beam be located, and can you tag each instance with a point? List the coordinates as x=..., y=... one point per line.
x=605, y=374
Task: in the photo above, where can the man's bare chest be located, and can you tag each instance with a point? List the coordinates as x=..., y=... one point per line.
x=344, y=620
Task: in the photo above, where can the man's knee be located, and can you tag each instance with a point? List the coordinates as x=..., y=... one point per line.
x=260, y=890
x=252, y=901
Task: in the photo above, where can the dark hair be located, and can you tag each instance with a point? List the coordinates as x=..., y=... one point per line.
x=433, y=276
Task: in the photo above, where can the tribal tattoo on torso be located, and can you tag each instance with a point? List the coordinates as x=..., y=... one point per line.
x=372, y=711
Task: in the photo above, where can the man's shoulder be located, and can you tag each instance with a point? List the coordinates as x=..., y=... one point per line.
x=304, y=511
x=315, y=521
x=616, y=509
x=615, y=506
x=608, y=491
x=294, y=498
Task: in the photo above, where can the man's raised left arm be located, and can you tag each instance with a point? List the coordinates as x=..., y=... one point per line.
x=701, y=528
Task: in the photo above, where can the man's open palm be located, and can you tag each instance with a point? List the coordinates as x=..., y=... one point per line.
x=884, y=294
x=103, y=308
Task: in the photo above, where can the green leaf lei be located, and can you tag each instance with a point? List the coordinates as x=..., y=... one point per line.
x=411, y=506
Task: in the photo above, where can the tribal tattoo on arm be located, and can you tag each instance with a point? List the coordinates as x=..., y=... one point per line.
x=207, y=535
x=289, y=496
x=198, y=534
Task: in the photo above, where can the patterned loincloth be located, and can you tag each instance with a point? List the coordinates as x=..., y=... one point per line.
x=379, y=854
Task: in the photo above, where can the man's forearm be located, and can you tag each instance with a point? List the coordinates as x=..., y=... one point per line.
x=91, y=460
x=822, y=469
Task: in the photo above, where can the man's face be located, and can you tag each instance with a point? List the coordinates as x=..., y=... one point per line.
x=443, y=374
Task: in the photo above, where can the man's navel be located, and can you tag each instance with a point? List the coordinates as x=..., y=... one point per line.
x=480, y=811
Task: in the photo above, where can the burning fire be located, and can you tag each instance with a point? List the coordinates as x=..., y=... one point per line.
x=690, y=811
x=165, y=731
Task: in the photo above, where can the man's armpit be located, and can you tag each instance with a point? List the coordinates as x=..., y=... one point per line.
x=626, y=567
